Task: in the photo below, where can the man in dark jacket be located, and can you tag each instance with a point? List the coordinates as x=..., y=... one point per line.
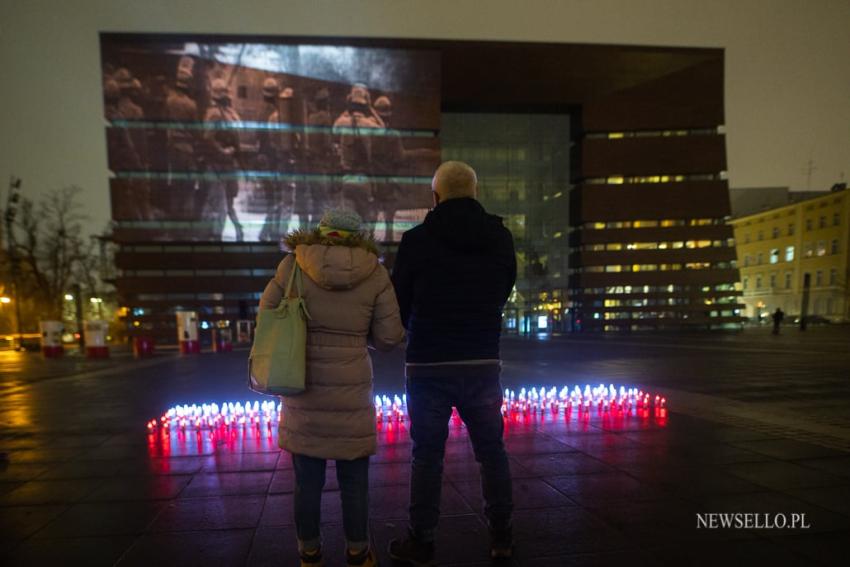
x=452, y=276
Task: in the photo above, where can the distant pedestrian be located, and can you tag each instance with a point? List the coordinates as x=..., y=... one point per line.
x=777, y=316
x=350, y=298
x=453, y=275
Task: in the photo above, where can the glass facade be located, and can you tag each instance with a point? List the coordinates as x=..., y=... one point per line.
x=522, y=161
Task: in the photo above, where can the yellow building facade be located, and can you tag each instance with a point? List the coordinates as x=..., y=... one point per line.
x=778, y=247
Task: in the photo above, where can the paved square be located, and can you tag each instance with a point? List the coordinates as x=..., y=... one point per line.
x=756, y=424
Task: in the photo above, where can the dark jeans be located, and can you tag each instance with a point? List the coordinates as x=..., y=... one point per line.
x=353, y=477
x=477, y=395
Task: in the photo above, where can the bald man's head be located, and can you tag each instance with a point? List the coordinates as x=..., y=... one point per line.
x=454, y=180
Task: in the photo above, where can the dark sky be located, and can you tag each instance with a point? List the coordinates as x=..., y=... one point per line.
x=787, y=62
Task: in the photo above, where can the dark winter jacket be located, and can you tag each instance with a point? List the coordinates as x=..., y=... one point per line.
x=452, y=276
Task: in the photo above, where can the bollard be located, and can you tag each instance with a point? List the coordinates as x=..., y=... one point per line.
x=222, y=340
x=187, y=332
x=95, y=336
x=143, y=346
x=51, y=338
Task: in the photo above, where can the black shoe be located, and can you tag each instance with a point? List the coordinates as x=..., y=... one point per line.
x=313, y=559
x=365, y=558
x=501, y=544
x=412, y=551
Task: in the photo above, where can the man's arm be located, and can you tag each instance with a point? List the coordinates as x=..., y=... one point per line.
x=403, y=280
x=509, y=250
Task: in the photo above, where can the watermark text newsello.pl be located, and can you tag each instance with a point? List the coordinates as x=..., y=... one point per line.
x=751, y=521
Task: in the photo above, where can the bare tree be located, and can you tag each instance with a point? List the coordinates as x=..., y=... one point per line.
x=50, y=244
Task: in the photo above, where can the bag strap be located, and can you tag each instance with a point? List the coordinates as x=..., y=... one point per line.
x=298, y=279
x=291, y=279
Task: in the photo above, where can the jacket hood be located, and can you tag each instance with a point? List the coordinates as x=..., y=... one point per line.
x=334, y=263
x=463, y=224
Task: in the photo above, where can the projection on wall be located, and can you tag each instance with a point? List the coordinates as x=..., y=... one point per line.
x=245, y=141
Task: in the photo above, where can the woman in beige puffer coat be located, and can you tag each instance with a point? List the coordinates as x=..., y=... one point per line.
x=350, y=300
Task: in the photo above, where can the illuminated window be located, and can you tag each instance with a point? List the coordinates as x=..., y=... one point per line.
x=668, y=223
x=612, y=269
x=808, y=249
x=645, y=224
x=614, y=246
x=678, y=244
x=774, y=256
x=615, y=135
x=599, y=225
x=789, y=253
x=616, y=180
x=821, y=250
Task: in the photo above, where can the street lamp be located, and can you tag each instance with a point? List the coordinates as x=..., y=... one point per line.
x=69, y=297
x=5, y=299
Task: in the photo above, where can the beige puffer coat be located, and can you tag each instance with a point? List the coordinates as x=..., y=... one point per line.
x=350, y=297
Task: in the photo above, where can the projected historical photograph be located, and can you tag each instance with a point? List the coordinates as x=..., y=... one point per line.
x=245, y=141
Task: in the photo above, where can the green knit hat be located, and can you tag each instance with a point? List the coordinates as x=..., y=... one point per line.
x=342, y=219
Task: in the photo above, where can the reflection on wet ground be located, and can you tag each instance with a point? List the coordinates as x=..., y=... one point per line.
x=86, y=482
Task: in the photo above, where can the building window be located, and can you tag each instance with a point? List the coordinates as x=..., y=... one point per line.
x=791, y=229
x=761, y=235
x=776, y=232
x=746, y=282
x=747, y=238
x=833, y=249
x=774, y=256
x=808, y=224
x=822, y=222
x=789, y=253
x=819, y=278
x=836, y=219
x=759, y=259
x=821, y=250
x=772, y=281
x=746, y=260
x=788, y=280
x=833, y=276
x=758, y=282
x=808, y=249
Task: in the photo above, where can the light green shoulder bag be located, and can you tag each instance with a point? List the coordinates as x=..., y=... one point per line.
x=277, y=364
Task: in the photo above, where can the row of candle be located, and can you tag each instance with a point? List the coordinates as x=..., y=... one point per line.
x=601, y=398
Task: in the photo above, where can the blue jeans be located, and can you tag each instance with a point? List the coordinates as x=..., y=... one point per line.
x=353, y=477
x=477, y=395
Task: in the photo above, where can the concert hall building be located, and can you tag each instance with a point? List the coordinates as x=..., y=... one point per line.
x=607, y=163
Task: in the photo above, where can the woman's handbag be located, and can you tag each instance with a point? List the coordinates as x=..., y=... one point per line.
x=277, y=364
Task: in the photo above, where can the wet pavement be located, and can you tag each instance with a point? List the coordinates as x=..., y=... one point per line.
x=756, y=424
